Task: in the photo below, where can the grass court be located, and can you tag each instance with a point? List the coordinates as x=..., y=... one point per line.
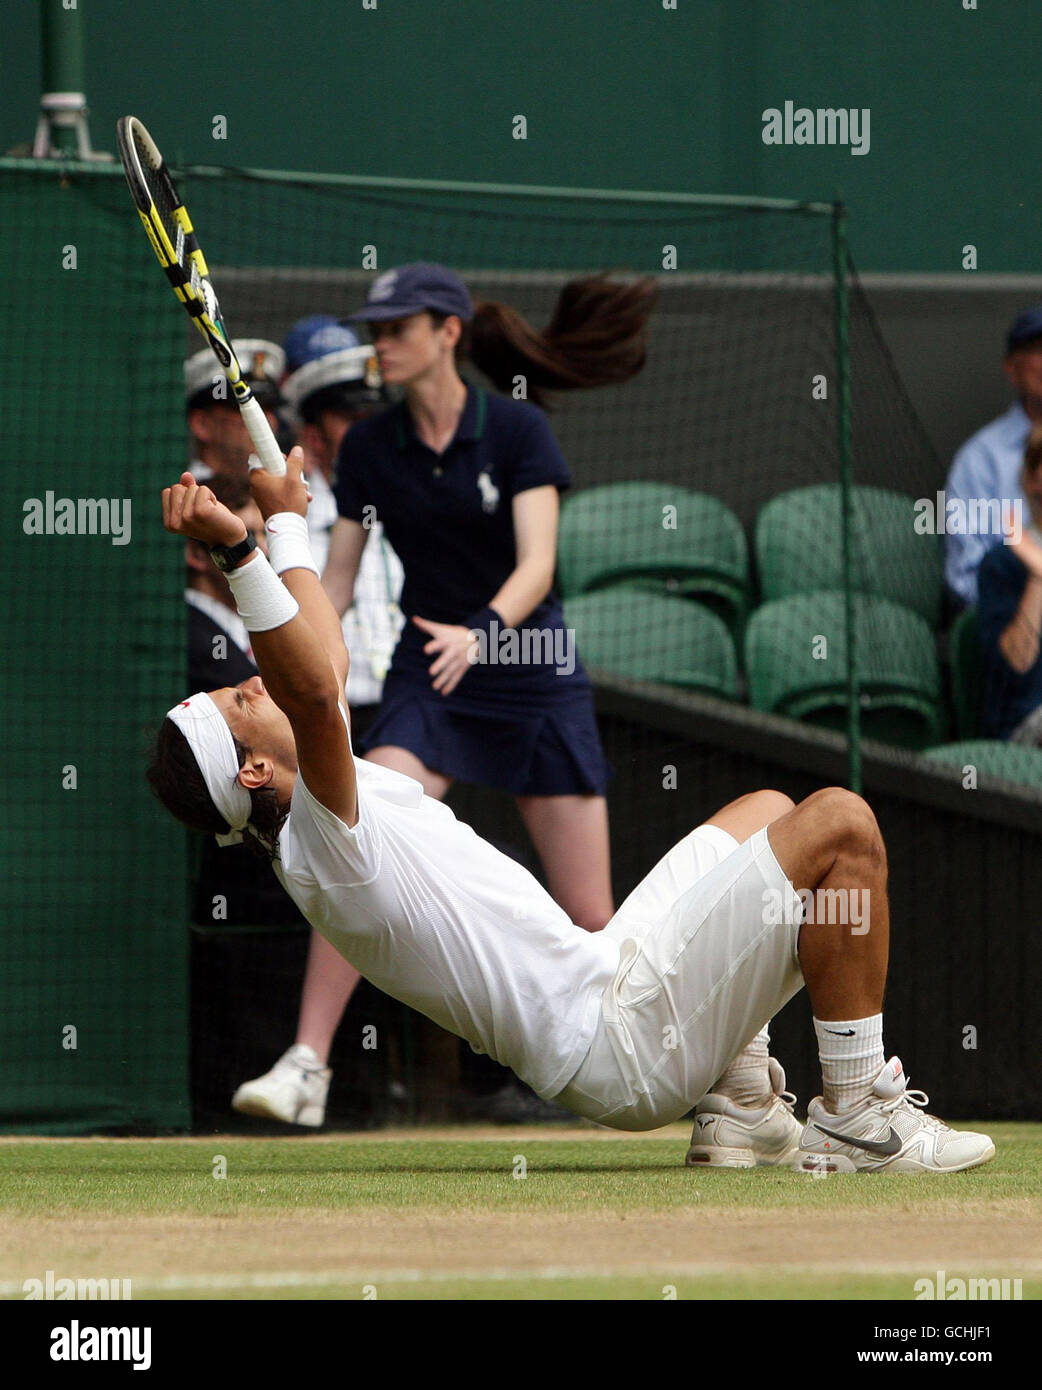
x=489, y=1213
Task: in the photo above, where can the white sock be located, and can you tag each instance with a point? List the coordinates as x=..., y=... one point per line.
x=747, y=1080
x=305, y=1056
x=852, y=1057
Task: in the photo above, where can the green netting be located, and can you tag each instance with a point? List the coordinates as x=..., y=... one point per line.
x=92, y=935
x=736, y=406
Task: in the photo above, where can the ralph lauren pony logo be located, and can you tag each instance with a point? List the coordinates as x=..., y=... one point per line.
x=489, y=492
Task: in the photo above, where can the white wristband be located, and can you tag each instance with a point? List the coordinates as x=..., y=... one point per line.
x=260, y=596
x=288, y=544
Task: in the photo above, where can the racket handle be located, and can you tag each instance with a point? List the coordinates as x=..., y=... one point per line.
x=264, y=441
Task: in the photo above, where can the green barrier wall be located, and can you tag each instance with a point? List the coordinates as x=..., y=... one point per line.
x=92, y=925
x=616, y=93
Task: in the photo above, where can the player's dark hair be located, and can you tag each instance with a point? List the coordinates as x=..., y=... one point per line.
x=597, y=336
x=232, y=489
x=177, y=781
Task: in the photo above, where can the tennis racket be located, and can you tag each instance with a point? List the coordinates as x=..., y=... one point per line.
x=174, y=241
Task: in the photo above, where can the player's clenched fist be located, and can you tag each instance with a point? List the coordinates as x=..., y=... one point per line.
x=191, y=509
x=274, y=493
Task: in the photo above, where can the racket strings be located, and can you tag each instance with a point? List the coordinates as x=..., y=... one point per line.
x=161, y=191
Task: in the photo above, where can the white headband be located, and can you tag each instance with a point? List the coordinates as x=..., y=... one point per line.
x=210, y=739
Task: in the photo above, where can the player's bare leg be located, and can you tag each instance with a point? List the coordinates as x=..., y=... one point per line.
x=750, y=813
x=831, y=841
x=866, y=1120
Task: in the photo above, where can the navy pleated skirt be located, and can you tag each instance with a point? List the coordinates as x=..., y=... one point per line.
x=529, y=731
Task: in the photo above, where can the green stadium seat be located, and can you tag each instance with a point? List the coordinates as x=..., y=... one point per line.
x=614, y=535
x=1012, y=762
x=654, y=637
x=799, y=548
x=791, y=672
x=967, y=661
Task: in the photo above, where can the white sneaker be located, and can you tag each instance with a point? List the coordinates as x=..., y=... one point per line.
x=888, y=1133
x=294, y=1091
x=727, y=1135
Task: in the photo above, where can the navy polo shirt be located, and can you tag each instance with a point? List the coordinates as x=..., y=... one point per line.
x=449, y=516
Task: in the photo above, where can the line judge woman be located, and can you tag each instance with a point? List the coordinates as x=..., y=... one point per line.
x=467, y=487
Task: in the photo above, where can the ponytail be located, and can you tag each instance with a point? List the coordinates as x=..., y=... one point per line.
x=596, y=337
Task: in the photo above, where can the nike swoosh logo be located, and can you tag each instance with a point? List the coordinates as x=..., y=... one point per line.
x=886, y=1147
x=840, y=1032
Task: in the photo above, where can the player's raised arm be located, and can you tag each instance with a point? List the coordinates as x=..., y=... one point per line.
x=294, y=661
x=281, y=501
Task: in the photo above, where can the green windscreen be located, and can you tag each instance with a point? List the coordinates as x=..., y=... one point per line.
x=93, y=1003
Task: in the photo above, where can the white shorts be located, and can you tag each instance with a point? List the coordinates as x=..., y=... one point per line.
x=708, y=957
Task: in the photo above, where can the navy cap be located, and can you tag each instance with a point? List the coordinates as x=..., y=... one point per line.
x=1025, y=328
x=410, y=289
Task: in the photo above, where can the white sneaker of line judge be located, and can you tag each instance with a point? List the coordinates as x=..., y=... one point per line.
x=294, y=1091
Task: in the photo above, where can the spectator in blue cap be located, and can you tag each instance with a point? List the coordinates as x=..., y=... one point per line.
x=988, y=466
x=332, y=381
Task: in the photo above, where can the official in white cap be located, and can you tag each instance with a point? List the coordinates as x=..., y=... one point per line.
x=220, y=441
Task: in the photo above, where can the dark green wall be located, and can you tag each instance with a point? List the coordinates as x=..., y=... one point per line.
x=617, y=93
x=94, y=871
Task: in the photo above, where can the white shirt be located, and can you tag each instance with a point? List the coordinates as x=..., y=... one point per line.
x=436, y=917
x=226, y=618
x=988, y=465
x=372, y=624
x=322, y=513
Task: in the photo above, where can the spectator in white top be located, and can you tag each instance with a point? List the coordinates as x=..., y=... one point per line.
x=987, y=468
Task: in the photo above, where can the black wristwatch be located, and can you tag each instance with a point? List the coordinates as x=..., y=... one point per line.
x=226, y=557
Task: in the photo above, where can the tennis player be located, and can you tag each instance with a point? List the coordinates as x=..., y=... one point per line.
x=628, y=1026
